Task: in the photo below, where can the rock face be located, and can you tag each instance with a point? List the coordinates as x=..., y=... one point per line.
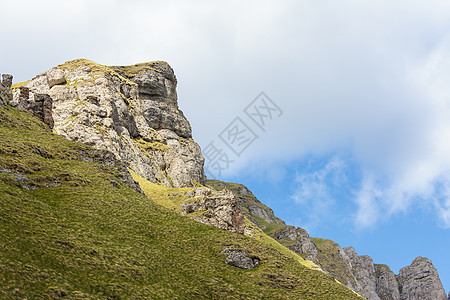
x=216, y=209
x=37, y=104
x=131, y=111
x=386, y=283
x=250, y=206
x=297, y=240
x=420, y=280
x=5, y=89
x=364, y=272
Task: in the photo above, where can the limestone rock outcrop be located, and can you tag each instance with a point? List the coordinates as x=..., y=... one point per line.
x=372, y=281
x=386, y=283
x=218, y=209
x=131, y=111
x=5, y=89
x=420, y=280
x=37, y=104
x=364, y=272
x=297, y=240
x=251, y=207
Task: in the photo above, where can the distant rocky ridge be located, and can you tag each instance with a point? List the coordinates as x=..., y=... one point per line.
x=132, y=111
x=420, y=280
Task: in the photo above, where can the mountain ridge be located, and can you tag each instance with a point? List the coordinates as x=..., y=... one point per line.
x=133, y=112
x=373, y=281
x=72, y=228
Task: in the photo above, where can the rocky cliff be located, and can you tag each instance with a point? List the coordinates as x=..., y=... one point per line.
x=131, y=111
x=70, y=229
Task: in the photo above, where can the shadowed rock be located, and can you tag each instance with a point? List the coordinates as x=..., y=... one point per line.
x=239, y=259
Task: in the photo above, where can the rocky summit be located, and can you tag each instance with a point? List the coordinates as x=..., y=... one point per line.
x=79, y=202
x=131, y=111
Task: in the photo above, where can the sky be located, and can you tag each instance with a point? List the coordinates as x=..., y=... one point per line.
x=334, y=113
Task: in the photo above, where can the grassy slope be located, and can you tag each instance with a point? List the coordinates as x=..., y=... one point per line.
x=173, y=197
x=331, y=261
x=270, y=229
x=71, y=228
x=328, y=255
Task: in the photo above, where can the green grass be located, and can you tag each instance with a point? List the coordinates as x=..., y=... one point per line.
x=19, y=84
x=137, y=69
x=95, y=70
x=329, y=258
x=173, y=197
x=258, y=234
x=70, y=228
x=168, y=197
x=154, y=146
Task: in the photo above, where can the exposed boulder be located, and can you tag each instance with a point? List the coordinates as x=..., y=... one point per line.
x=239, y=258
x=43, y=109
x=22, y=99
x=131, y=111
x=421, y=281
x=55, y=76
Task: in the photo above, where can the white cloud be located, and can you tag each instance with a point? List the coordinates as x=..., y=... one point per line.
x=365, y=78
x=367, y=200
x=315, y=188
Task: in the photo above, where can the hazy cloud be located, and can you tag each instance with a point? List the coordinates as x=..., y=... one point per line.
x=315, y=189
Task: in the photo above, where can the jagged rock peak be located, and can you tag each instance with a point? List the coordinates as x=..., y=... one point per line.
x=131, y=111
x=386, y=283
x=420, y=280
